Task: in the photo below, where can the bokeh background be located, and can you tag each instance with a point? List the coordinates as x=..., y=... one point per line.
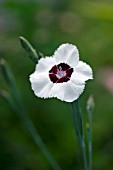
x=47, y=24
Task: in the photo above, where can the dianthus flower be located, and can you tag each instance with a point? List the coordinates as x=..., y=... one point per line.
x=62, y=75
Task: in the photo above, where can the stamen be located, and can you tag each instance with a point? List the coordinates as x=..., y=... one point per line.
x=60, y=73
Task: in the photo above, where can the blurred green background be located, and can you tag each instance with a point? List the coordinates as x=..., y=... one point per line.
x=47, y=24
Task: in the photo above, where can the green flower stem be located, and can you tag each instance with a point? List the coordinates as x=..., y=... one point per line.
x=89, y=135
x=90, y=106
x=31, y=128
x=84, y=154
x=22, y=113
x=80, y=122
x=78, y=127
x=78, y=115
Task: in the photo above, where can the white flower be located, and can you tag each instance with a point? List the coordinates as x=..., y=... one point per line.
x=62, y=76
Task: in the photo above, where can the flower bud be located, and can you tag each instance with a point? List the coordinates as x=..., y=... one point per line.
x=31, y=52
x=90, y=104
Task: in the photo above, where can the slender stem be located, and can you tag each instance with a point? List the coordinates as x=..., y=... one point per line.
x=90, y=140
x=40, y=143
x=79, y=115
x=84, y=154
x=78, y=126
x=90, y=106
x=23, y=114
x=32, y=130
x=75, y=124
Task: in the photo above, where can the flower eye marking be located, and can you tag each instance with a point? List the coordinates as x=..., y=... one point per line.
x=60, y=73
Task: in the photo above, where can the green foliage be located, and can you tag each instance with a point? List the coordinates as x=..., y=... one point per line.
x=47, y=24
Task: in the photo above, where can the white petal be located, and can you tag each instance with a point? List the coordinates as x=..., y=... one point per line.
x=45, y=64
x=67, y=91
x=67, y=53
x=40, y=81
x=41, y=84
x=82, y=72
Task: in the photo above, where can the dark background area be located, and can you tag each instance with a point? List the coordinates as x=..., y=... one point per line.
x=47, y=24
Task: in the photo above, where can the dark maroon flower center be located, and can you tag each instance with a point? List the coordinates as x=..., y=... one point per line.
x=60, y=73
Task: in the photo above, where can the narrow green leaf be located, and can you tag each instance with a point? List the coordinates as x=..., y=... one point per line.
x=5, y=95
x=4, y=68
x=17, y=105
